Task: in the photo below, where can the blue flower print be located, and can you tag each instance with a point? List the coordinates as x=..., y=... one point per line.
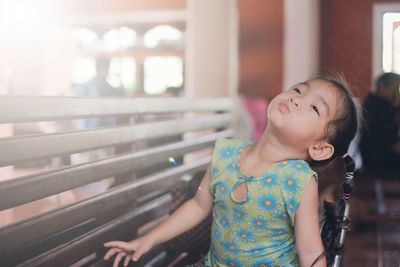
x=267, y=202
x=291, y=205
x=269, y=180
x=263, y=263
x=222, y=188
x=222, y=205
x=276, y=243
x=282, y=217
x=233, y=262
x=290, y=184
x=278, y=232
x=216, y=234
x=244, y=235
x=287, y=257
x=238, y=214
x=230, y=167
x=228, y=152
x=224, y=221
x=255, y=252
x=214, y=171
x=300, y=166
x=231, y=247
x=259, y=224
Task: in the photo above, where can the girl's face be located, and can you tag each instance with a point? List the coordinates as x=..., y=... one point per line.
x=300, y=114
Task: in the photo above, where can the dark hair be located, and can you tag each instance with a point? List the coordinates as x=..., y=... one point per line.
x=339, y=132
x=335, y=220
x=102, y=63
x=388, y=79
x=342, y=129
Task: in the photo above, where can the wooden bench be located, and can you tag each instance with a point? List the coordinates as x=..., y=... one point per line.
x=146, y=186
x=376, y=219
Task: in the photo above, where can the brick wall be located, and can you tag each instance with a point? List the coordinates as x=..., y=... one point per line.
x=261, y=47
x=346, y=40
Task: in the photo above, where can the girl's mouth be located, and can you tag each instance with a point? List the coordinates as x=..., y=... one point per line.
x=283, y=108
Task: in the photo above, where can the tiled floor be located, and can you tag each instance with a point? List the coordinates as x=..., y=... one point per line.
x=375, y=239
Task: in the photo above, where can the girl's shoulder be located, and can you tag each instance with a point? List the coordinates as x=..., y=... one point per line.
x=296, y=163
x=231, y=143
x=299, y=167
x=229, y=148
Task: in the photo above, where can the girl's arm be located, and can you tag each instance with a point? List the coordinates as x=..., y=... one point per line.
x=188, y=215
x=308, y=239
x=184, y=218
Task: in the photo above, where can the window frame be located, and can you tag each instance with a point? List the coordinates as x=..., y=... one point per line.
x=379, y=9
x=144, y=20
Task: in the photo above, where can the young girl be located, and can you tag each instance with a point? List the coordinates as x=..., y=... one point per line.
x=264, y=195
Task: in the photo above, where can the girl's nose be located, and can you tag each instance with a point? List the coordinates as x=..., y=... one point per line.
x=295, y=101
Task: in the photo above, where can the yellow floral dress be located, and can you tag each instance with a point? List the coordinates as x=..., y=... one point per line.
x=258, y=231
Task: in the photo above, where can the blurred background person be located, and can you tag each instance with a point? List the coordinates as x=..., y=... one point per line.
x=257, y=108
x=380, y=146
x=98, y=86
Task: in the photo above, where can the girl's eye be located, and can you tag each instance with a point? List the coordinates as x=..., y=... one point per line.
x=297, y=90
x=315, y=109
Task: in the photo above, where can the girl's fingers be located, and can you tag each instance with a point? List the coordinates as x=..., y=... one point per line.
x=119, y=244
x=137, y=254
x=111, y=252
x=127, y=259
x=118, y=258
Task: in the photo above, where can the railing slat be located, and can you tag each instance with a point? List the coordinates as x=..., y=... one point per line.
x=33, y=187
x=34, y=108
x=93, y=240
x=33, y=230
x=26, y=148
x=71, y=233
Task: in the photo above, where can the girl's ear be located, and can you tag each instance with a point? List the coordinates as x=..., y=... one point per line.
x=321, y=151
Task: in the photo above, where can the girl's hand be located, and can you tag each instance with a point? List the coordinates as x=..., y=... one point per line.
x=130, y=250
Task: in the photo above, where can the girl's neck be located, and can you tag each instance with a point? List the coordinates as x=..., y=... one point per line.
x=266, y=154
x=270, y=149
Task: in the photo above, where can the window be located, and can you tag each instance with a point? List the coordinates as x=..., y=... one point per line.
x=161, y=73
x=119, y=39
x=83, y=70
x=391, y=42
x=122, y=73
x=386, y=38
x=163, y=35
x=87, y=38
x=147, y=60
x=60, y=55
